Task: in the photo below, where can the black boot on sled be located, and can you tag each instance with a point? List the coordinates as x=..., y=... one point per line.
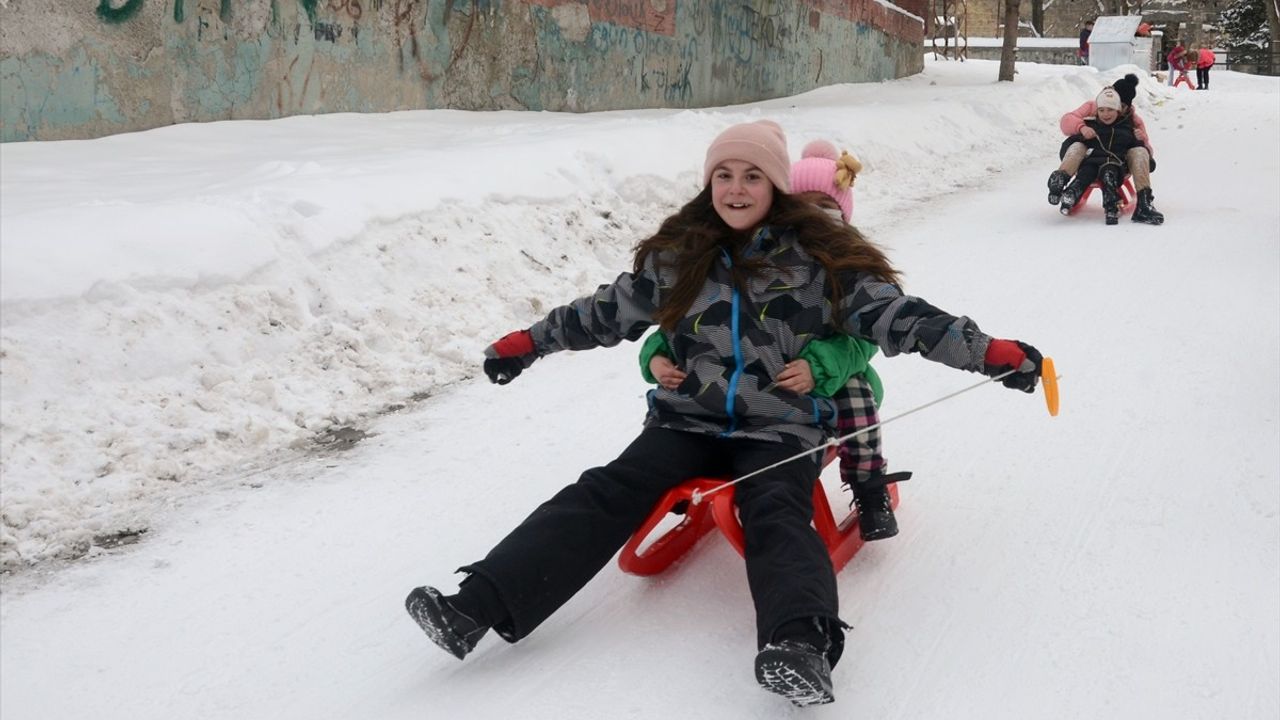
x=446, y=627
x=795, y=665
x=1144, y=211
x=876, y=520
x=1110, y=180
x=1057, y=181
x=1070, y=196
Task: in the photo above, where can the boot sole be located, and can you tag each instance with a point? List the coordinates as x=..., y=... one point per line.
x=875, y=526
x=779, y=672
x=423, y=605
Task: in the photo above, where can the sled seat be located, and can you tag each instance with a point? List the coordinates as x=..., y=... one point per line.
x=1127, y=194
x=719, y=511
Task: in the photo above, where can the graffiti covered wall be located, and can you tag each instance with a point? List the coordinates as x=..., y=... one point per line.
x=87, y=68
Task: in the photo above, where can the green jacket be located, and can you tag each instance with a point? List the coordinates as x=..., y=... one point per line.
x=832, y=361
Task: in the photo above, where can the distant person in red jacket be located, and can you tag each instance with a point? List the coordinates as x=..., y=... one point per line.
x=1083, y=52
x=1204, y=62
x=1178, y=62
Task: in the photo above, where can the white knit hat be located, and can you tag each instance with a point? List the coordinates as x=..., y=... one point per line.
x=1108, y=98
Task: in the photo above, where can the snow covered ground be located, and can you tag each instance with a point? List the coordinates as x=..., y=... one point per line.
x=201, y=322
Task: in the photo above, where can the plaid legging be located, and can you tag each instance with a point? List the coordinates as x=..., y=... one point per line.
x=860, y=456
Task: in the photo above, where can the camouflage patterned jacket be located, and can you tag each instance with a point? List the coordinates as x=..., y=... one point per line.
x=733, y=342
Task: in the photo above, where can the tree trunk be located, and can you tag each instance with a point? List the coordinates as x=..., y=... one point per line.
x=1037, y=17
x=1008, y=53
x=1273, y=19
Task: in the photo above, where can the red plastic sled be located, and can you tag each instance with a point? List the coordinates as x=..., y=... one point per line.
x=1127, y=194
x=842, y=539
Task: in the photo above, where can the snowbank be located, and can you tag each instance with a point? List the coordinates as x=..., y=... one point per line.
x=184, y=305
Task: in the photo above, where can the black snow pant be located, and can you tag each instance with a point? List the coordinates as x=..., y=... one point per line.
x=1202, y=78
x=552, y=554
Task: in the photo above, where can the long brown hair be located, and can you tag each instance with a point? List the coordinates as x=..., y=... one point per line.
x=695, y=236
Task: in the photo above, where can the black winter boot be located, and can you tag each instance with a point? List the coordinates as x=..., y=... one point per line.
x=1057, y=181
x=795, y=664
x=876, y=520
x=1144, y=211
x=1070, y=196
x=446, y=627
x=1110, y=181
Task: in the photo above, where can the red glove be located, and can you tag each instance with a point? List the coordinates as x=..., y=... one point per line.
x=1005, y=355
x=509, y=356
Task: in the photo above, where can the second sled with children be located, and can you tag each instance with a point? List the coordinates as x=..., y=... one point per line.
x=1107, y=147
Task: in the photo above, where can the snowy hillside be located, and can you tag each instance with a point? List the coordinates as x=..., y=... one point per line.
x=253, y=348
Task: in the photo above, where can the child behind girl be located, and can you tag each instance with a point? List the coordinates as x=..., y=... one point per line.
x=838, y=368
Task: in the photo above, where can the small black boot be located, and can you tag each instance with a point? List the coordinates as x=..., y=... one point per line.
x=876, y=520
x=1110, y=181
x=795, y=664
x=1057, y=181
x=446, y=627
x=1070, y=196
x=1144, y=211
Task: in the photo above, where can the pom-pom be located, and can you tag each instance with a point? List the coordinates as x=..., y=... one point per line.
x=819, y=149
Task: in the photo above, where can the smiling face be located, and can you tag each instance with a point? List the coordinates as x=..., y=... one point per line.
x=741, y=194
x=1107, y=115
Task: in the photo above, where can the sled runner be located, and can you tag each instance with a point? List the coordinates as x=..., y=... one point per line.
x=1127, y=194
x=842, y=539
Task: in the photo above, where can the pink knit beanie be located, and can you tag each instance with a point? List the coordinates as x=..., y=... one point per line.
x=760, y=143
x=821, y=168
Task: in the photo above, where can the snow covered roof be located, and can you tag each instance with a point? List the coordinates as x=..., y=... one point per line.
x=1114, y=29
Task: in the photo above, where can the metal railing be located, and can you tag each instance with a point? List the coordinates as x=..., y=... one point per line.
x=1260, y=62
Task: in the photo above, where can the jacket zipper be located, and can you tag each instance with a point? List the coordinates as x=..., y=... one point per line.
x=735, y=330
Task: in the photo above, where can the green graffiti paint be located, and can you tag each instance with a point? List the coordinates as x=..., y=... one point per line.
x=309, y=6
x=110, y=14
x=224, y=11
x=178, y=15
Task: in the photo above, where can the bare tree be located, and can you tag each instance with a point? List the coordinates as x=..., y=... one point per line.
x=1273, y=19
x=1010, y=49
x=1037, y=17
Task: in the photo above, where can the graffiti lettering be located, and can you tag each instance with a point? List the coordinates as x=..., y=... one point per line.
x=309, y=7
x=351, y=7
x=327, y=31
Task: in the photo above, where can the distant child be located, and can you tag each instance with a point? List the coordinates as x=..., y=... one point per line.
x=836, y=368
x=1204, y=62
x=1083, y=52
x=1178, y=64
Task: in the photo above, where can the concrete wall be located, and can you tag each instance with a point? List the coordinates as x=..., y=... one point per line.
x=1065, y=55
x=86, y=68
